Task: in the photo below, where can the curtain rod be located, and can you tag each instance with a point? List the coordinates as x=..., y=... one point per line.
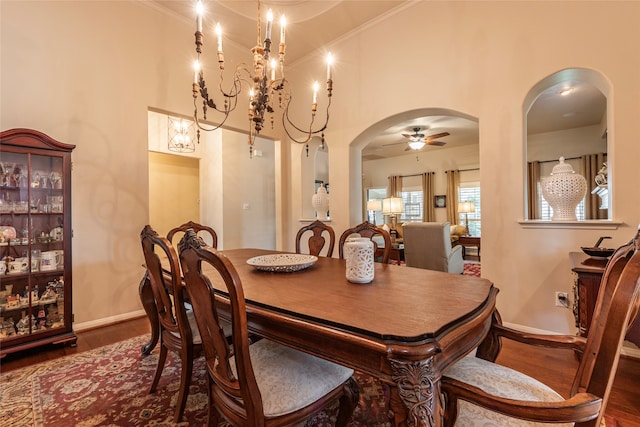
x=415, y=174
x=555, y=160
x=465, y=170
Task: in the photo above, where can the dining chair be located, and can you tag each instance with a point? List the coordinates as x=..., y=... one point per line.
x=265, y=383
x=317, y=241
x=202, y=230
x=479, y=392
x=366, y=229
x=178, y=330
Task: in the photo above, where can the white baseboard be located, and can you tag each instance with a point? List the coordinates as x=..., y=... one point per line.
x=92, y=324
x=628, y=348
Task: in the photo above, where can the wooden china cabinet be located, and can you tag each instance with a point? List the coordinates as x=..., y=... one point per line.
x=35, y=241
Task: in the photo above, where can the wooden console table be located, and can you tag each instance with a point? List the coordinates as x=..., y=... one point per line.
x=469, y=241
x=588, y=275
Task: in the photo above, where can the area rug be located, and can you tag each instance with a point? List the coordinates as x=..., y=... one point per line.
x=109, y=386
x=471, y=269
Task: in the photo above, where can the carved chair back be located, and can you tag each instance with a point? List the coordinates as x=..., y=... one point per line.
x=175, y=330
x=317, y=241
x=239, y=389
x=366, y=229
x=163, y=271
x=202, y=230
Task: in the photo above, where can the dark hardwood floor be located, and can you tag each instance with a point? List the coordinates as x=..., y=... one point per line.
x=553, y=367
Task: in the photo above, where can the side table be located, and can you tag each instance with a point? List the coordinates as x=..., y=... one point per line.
x=469, y=241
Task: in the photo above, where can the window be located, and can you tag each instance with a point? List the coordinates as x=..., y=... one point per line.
x=413, y=206
x=470, y=192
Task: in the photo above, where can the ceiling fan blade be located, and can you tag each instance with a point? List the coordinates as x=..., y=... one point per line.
x=438, y=135
x=436, y=143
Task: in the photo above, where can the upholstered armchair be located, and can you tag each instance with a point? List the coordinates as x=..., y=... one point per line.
x=428, y=245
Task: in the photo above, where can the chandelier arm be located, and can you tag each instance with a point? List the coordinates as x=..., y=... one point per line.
x=232, y=95
x=310, y=133
x=197, y=122
x=236, y=87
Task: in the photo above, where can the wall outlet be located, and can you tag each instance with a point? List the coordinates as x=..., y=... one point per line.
x=562, y=299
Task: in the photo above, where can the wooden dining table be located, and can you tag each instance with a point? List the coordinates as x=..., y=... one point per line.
x=405, y=328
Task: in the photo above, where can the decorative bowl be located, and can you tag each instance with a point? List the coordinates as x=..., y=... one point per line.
x=598, y=252
x=282, y=263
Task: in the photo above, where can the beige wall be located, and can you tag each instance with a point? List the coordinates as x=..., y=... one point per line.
x=481, y=59
x=86, y=73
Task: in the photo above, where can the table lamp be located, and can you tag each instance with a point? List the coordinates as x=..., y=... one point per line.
x=466, y=207
x=392, y=206
x=372, y=207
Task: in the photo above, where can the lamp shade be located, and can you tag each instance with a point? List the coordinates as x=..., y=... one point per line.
x=392, y=205
x=374, y=205
x=466, y=207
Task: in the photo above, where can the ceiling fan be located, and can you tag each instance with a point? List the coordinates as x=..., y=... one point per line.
x=417, y=140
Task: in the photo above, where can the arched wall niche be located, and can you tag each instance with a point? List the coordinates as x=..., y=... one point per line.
x=314, y=160
x=570, y=126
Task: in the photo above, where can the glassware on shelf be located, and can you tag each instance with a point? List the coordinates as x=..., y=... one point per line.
x=18, y=176
x=6, y=169
x=55, y=179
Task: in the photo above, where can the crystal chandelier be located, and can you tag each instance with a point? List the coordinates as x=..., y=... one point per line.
x=269, y=88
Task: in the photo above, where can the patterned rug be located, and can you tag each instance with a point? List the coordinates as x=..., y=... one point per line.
x=471, y=268
x=109, y=386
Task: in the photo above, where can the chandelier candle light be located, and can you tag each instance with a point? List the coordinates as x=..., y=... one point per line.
x=269, y=88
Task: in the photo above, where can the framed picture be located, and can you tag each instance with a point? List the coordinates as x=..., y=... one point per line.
x=440, y=201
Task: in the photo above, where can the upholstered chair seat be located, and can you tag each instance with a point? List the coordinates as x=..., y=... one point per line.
x=195, y=333
x=290, y=380
x=499, y=381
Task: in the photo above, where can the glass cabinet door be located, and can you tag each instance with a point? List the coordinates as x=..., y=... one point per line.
x=32, y=236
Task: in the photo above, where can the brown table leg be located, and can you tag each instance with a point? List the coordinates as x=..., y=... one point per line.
x=149, y=304
x=415, y=400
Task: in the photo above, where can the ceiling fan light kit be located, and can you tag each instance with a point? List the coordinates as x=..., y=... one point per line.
x=416, y=145
x=418, y=140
